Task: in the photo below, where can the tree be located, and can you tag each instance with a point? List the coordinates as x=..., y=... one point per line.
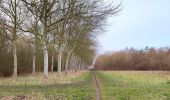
x=13, y=15
x=49, y=14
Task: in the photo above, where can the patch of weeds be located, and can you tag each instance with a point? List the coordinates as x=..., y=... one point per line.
x=168, y=82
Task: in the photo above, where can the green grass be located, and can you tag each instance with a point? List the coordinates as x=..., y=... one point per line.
x=114, y=85
x=130, y=85
x=68, y=87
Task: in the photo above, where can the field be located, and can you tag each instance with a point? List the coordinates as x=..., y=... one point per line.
x=66, y=87
x=113, y=85
x=131, y=85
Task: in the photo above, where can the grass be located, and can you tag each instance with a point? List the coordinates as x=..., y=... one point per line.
x=131, y=85
x=114, y=85
x=75, y=86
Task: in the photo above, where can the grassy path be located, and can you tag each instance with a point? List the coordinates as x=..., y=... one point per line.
x=97, y=86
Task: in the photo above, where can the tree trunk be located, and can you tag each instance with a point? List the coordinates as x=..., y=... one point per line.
x=77, y=65
x=70, y=65
x=52, y=63
x=33, y=62
x=14, y=40
x=67, y=62
x=79, y=68
x=82, y=65
x=66, y=66
x=15, y=60
x=45, y=61
x=74, y=64
x=59, y=60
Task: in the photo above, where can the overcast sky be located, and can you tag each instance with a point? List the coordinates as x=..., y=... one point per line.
x=141, y=23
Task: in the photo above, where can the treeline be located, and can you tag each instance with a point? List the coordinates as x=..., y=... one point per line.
x=132, y=59
x=24, y=58
x=55, y=35
x=26, y=61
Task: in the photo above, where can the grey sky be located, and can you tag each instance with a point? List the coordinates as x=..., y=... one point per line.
x=141, y=23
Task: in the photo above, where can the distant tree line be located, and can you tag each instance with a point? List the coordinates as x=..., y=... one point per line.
x=133, y=59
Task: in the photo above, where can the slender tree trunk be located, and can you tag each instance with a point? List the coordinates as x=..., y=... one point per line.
x=79, y=68
x=66, y=66
x=52, y=63
x=67, y=62
x=77, y=65
x=63, y=64
x=70, y=65
x=34, y=58
x=45, y=60
x=74, y=64
x=15, y=60
x=82, y=65
x=14, y=40
x=44, y=31
x=59, y=60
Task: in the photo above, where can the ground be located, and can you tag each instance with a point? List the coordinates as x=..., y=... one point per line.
x=89, y=85
x=75, y=86
x=134, y=85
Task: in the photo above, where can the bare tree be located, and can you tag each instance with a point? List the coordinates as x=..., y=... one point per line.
x=48, y=12
x=12, y=11
x=69, y=25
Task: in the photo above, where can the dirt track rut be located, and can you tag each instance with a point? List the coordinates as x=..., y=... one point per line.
x=97, y=86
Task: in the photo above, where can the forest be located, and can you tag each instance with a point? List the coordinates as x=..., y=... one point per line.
x=50, y=35
x=148, y=58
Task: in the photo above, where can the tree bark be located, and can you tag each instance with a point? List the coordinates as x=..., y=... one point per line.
x=45, y=60
x=79, y=66
x=66, y=66
x=59, y=60
x=70, y=65
x=15, y=60
x=14, y=39
x=74, y=64
x=34, y=59
x=67, y=61
x=52, y=63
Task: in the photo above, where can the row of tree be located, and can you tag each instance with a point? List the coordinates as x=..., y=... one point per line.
x=36, y=34
x=132, y=59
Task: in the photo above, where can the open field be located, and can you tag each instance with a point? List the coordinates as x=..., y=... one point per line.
x=89, y=85
x=131, y=85
x=66, y=87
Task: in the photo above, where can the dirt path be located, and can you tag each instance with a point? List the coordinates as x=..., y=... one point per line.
x=97, y=86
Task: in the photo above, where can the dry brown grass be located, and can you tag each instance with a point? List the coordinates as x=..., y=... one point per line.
x=38, y=79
